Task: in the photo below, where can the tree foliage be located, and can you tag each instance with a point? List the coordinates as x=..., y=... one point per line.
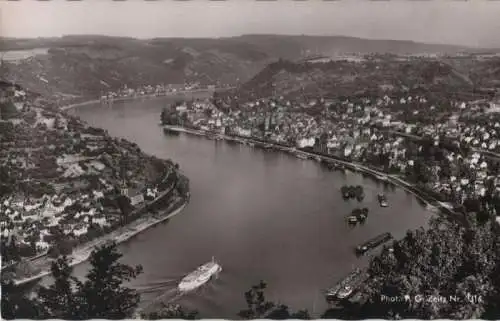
x=59, y=299
x=453, y=265
x=259, y=308
x=7, y=110
x=15, y=305
x=171, y=312
x=103, y=291
x=101, y=295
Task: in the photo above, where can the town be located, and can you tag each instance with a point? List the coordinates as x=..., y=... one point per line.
x=454, y=159
x=64, y=184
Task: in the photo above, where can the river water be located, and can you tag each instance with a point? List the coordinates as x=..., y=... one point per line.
x=263, y=215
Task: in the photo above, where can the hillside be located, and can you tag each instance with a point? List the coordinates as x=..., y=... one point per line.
x=376, y=74
x=89, y=65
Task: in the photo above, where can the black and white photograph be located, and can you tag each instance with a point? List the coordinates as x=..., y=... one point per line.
x=247, y=159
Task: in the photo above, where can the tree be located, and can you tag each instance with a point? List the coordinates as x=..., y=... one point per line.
x=171, y=312
x=7, y=110
x=449, y=259
x=125, y=207
x=259, y=308
x=59, y=299
x=101, y=296
x=15, y=305
x=103, y=292
x=9, y=249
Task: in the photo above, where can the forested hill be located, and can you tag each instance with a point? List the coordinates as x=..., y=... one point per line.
x=377, y=75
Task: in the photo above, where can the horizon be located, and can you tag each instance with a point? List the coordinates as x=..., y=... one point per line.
x=470, y=24
x=244, y=35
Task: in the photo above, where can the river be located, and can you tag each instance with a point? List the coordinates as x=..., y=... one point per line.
x=263, y=215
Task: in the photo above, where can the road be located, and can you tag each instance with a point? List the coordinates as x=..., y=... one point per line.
x=477, y=150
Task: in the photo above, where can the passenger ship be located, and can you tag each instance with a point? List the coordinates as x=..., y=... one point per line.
x=199, y=276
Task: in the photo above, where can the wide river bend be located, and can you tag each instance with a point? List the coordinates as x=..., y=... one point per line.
x=263, y=215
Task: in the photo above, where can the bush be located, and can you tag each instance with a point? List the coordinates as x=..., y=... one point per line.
x=8, y=110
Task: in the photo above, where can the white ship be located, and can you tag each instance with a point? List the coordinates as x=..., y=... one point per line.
x=199, y=276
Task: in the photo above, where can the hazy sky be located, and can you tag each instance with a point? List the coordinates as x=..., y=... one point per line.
x=473, y=22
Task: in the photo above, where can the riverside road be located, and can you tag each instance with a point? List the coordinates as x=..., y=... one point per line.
x=262, y=214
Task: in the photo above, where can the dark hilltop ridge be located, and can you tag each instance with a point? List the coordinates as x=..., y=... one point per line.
x=90, y=64
x=443, y=77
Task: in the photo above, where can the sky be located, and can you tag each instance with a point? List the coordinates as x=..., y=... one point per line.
x=471, y=22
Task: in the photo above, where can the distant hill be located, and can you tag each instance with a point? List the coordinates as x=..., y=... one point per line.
x=90, y=64
x=377, y=74
x=284, y=46
x=334, y=45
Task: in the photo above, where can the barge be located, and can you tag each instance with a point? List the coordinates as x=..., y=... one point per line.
x=373, y=243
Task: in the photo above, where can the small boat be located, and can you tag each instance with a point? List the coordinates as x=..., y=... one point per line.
x=358, y=215
x=347, y=285
x=169, y=131
x=301, y=156
x=360, y=194
x=382, y=199
x=345, y=191
x=362, y=214
x=352, y=219
x=199, y=276
x=352, y=192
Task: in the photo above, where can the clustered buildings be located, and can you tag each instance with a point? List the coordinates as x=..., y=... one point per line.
x=62, y=179
x=447, y=149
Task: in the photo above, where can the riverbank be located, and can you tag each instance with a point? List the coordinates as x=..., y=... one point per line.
x=429, y=200
x=121, y=235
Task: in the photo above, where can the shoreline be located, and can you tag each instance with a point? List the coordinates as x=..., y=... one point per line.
x=430, y=201
x=119, y=236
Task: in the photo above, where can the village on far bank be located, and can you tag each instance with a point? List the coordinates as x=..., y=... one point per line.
x=64, y=183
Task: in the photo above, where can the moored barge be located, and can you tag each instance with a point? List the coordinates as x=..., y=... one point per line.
x=373, y=243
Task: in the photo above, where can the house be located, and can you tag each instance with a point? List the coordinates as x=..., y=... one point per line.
x=244, y=132
x=305, y=142
x=100, y=221
x=69, y=159
x=80, y=230
x=74, y=170
x=137, y=199
x=97, y=165
x=181, y=108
